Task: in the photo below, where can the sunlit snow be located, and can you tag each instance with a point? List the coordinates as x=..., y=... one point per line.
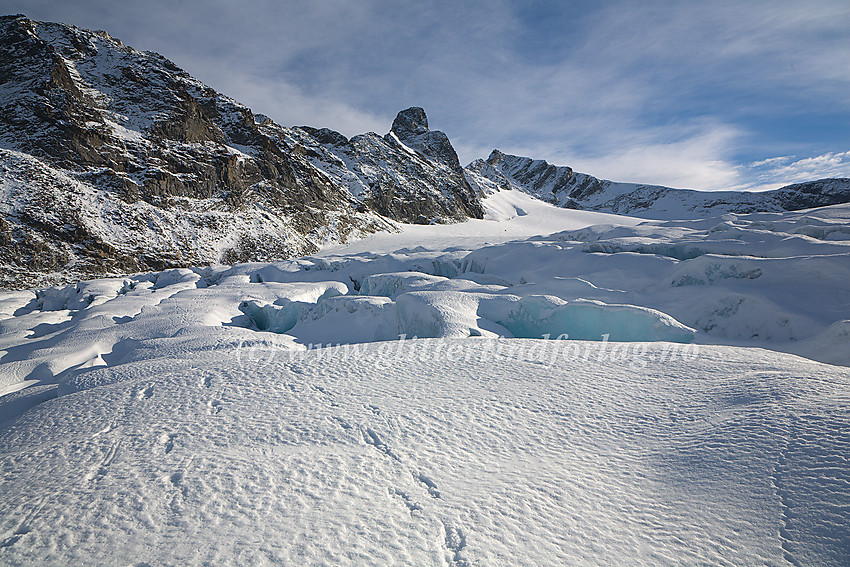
x=543, y=386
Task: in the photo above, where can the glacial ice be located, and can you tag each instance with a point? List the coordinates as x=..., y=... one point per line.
x=539, y=316
x=139, y=409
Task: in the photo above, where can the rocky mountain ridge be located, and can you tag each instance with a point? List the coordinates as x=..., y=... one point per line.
x=115, y=161
x=562, y=186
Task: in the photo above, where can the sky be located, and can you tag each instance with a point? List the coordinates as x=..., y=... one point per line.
x=707, y=95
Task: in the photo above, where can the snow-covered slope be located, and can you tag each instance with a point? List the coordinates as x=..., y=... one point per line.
x=411, y=455
x=564, y=187
x=198, y=416
x=771, y=279
x=508, y=215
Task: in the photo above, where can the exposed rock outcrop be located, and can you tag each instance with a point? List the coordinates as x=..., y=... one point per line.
x=115, y=160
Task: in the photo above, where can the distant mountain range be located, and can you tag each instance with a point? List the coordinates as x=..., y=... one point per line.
x=114, y=161
x=566, y=188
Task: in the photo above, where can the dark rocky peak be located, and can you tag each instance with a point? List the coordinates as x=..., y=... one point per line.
x=495, y=157
x=15, y=23
x=409, y=175
x=410, y=127
x=410, y=121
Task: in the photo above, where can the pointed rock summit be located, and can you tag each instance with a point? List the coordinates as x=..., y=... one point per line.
x=411, y=128
x=410, y=121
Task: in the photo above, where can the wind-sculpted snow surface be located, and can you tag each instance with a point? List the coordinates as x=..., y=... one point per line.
x=463, y=452
x=488, y=401
x=774, y=279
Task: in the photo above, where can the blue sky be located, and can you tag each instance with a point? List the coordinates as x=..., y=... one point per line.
x=707, y=95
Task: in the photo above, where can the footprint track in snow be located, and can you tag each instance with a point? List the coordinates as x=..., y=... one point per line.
x=455, y=543
x=106, y=430
x=374, y=409
x=429, y=483
x=342, y=423
x=168, y=442
x=371, y=437
x=22, y=530
x=176, y=480
x=13, y=539
x=214, y=406
x=103, y=468
x=409, y=502
x=24, y=527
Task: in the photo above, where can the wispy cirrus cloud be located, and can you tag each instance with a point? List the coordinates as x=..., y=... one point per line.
x=776, y=172
x=680, y=94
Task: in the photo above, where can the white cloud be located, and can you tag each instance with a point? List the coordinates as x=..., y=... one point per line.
x=776, y=172
x=771, y=161
x=798, y=48
x=697, y=161
x=289, y=106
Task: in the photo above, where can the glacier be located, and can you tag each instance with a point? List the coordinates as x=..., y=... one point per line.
x=538, y=386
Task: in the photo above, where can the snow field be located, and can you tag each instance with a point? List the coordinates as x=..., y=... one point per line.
x=265, y=414
x=188, y=417
x=673, y=280
x=731, y=457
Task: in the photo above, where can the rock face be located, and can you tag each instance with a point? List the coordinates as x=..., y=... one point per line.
x=558, y=185
x=412, y=174
x=114, y=160
x=564, y=187
x=411, y=129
